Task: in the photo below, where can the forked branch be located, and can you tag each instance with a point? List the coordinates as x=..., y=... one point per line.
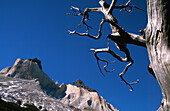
x=99, y=59
x=89, y=35
x=85, y=15
x=128, y=8
x=127, y=59
x=118, y=35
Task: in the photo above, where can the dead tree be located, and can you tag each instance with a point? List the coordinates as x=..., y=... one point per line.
x=155, y=37
x=118, y=35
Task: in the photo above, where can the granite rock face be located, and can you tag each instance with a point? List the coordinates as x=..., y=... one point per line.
x=31, y=69
x=26, y=81
x=5, y=70
x=85, y=100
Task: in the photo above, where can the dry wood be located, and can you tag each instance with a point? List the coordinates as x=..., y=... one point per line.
x=119, y=35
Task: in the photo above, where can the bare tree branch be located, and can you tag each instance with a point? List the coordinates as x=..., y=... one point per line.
x=127, y=59
x=75, y=14
x=128, y=38
x=99, y=59
x=112, y=5
x=87, y=34
x=126, y=6
x=129, y=84
x=118, y=35
x=85, y=15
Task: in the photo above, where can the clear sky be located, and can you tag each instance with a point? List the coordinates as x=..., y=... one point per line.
x=38, y=28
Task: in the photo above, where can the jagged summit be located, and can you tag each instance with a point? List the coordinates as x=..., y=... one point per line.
x=80, y=83
x=31, y=69
x=37, y=61
x=27, y=82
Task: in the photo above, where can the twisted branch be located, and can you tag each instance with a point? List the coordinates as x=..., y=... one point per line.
x=127, y=59
x=128, y=8
x=85, y=15
x=99, y=59
x=87, y=34
x=119, y=35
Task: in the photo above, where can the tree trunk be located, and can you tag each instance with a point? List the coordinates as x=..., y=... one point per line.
x=158, y=44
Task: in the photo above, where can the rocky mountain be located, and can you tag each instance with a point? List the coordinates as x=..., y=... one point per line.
x=26, y=83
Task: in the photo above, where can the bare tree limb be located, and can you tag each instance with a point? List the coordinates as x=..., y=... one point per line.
x=128, y=38
x=127, y=59
x=118, y=35
x=75, y=14
x=85, y=15
x=129, y=84
x=112, y=5
x=99, y=59
x=87, y=34
x=124, y=7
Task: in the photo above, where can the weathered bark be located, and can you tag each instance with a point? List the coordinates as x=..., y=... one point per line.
x=158, y=46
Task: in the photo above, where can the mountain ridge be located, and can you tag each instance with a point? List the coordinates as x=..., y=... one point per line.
x=76, y=96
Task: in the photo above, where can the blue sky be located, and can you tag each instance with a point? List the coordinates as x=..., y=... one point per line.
x=38, y=28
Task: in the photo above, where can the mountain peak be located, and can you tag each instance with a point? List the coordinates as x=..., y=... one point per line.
x=36, y=61
x=80, y=83
x=28, y=76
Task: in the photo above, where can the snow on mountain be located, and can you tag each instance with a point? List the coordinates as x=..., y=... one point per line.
x=25, y=81
x=29, y=92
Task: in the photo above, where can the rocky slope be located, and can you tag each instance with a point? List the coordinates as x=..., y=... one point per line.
x=26, y=82
x=28, y=92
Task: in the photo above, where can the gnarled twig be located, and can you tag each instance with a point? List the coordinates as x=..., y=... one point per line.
x=91, y=36
x=126, y=6
x=85, y=15
x=75, y=14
